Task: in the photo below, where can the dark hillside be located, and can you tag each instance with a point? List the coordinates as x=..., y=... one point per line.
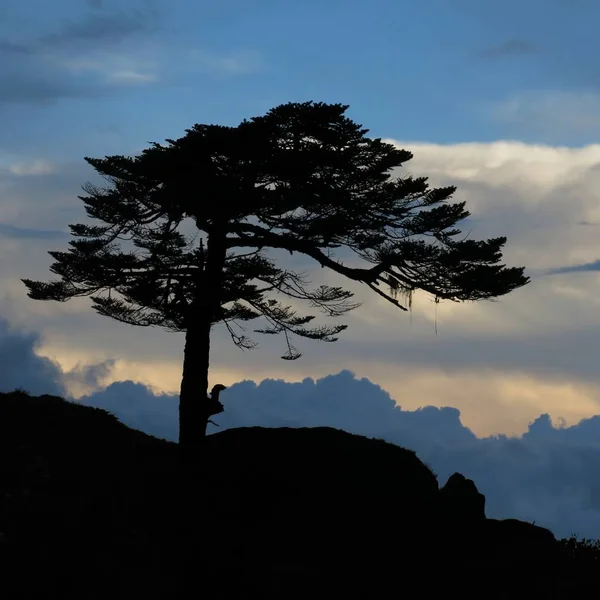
x=90, y=508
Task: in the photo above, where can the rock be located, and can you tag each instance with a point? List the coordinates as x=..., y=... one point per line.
x=460, y=501
x=515, y=540
x=468, y=534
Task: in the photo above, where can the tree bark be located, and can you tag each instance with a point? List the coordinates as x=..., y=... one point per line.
x=194, y=386
x=194, y=411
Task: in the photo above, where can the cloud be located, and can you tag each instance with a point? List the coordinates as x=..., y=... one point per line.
x=528, y=192
x=41, y=89
x=133, y=77
x=136, y=406
x=583, y=268
x=116, y=69
x=82, y=379
x=10, y=231
x=106, y=52
x=549, y=114
x=511, y=47
x=21, y=367
x=42, y=70
x=39, y=194
x=97, y=29
x=7, y=47
x=34, y=167
x=240, y=63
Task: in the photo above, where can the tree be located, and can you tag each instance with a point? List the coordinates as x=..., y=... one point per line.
x=302, y=178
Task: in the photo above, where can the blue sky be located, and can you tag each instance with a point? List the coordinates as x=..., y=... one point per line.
x=500, y=99
x=102, y=76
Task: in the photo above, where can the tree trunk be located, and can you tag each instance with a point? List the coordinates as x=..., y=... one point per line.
x=194, y=386
x=194, y=412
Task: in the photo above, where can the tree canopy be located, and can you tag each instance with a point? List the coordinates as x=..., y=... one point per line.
x=303, y=178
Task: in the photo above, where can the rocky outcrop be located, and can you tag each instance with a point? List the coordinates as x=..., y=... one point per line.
x=510, y=540
x=460, y=500
x=470, y=534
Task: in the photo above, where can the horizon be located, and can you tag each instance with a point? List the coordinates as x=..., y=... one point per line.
x=499, y=100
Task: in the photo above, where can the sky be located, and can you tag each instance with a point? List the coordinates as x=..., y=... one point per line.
x=500, y=99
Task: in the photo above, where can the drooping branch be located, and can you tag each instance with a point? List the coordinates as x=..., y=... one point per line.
x=442, y=271
x=262, y=237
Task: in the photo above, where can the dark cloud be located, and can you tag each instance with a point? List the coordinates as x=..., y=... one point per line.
x=48, y=201
x=35, y=72
x=582, y=268
x=96, y=29
x=135, y=405
x=10, y=231
x=512, y=47
x=7, y=48
x=88, y=375
x=30, y=85
x=554, y=355
x=21, y=367
x=92, y=31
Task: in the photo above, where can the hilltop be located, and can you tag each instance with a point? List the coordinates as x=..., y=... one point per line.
x=90, y=508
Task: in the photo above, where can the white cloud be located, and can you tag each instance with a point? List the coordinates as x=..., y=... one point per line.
x=33, y=167
x=115, y=68
x=132, y=77
x=537, y=196
x=239, y=63
x=156, y=63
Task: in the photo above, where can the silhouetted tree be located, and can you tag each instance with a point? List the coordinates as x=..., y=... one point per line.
x=303, y=178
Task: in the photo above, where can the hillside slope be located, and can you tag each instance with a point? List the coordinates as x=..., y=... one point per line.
x=92, y=507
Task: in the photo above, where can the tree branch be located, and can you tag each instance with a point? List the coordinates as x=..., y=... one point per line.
x=262, y=237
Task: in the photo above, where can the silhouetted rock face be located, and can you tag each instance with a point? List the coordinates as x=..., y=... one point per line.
x=474, y=537
x=280, y=508
x=461, y=501
x=514, y=540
